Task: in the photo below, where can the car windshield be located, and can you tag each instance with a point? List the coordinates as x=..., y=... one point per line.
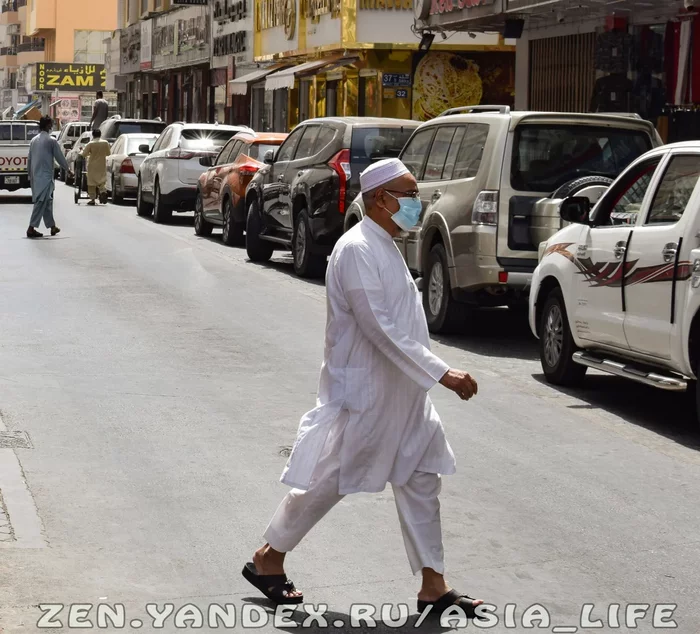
x=139, y=127
x=545, y=157
x=373, y=144
x=258, y=150
x=198, y=139
x=132, y=145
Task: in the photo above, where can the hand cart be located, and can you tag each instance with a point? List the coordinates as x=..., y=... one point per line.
x=80, y=176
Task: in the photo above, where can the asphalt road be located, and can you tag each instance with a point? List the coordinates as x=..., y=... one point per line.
x=160, y=379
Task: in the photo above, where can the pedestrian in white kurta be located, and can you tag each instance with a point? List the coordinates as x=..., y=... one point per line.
x=374, y=422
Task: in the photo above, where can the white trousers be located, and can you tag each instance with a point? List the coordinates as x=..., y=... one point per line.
x=417, y=504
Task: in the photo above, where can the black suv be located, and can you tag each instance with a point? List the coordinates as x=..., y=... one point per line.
x=298, y=199
x=114, y=127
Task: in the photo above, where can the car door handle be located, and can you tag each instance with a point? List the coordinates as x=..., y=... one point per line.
x=669, y=252
x=436, y=195
x=619, y=250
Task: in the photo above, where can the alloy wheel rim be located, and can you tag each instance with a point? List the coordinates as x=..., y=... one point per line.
x=435, y=289
x=227, y=221
x=198, y=215
x=300, y=250
x=553, y=336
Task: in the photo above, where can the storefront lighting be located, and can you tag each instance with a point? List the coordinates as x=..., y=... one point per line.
x=426, y=41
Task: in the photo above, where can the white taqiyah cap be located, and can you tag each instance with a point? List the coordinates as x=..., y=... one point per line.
x=381, y=172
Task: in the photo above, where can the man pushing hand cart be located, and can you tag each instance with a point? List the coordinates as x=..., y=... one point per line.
x=97, y=152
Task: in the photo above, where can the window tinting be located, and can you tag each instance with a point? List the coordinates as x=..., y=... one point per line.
x=5, y=131
x=287, y=150
x=373, y=144
x=452, y=154
x=471, y=151
x=147, y=127
x=438, y=153
x=324, y=138
x=306, y=145
x=547, y=156
x=194, y=139
x=675, y=189
x=414, y=154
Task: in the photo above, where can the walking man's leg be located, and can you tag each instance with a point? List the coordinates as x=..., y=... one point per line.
x=35, y=221
x=418, y=506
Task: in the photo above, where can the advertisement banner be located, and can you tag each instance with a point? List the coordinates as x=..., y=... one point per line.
x=130, y=45
x=443, y=80
x=68, y=110
x=164, y=39
x=191, y=34
x=146, y=44
x=52, y=76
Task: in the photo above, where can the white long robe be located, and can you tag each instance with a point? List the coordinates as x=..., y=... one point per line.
x=377, y=370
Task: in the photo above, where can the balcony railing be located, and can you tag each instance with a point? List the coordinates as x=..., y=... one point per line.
x=21, y=3
x=8, y=50
x=9, y=6
x=28, y=47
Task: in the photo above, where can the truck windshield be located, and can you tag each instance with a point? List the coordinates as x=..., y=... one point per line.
x=547, y=156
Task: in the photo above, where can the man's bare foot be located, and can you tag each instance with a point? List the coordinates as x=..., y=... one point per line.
x=434, y=587
x=269, y=561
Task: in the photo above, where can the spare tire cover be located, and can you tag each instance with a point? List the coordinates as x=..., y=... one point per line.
x=573, y=187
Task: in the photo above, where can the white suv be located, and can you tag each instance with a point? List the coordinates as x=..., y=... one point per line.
x=168, y=176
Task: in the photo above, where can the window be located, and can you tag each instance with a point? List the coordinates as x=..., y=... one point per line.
x=413, y=155
x=373, y=144
x=621, y=203
x=194, y=138
x=324, y=139
x=139, y=127
x=675, y=189
x=134, y=143
x=452, y=154
x=287, y=150
x=227, y=152
x=88, y=46
x=471, y=151
x=306, y=145
x=257, y=151
x=5, y=131
x=438, y=153
x=546, y=156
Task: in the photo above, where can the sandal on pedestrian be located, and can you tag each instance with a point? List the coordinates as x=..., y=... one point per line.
x=277, y=588
x=33, y=233
x=55, y=230
x=451, y=599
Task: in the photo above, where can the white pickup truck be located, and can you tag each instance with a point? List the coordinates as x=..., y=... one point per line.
x=15, y=137
x=618, y=288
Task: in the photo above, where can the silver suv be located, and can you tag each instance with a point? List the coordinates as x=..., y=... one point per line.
x=490, y=182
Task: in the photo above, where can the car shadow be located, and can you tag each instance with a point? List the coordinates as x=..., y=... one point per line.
x=497, y=332
x=15, y=199
x=283, y=263
x=669, y=414
x=342, y=622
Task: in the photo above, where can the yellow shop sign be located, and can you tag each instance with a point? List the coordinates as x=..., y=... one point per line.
x=52, y=76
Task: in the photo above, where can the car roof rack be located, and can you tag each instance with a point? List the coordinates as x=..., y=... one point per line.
x=462, y=109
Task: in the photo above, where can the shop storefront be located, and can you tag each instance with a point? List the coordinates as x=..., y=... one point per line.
x=365, y=62
x=130, y=69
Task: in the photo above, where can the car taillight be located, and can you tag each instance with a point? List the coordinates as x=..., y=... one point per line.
x=247, y=170
x=127, y=167
x=485, y=210
x=341, y=164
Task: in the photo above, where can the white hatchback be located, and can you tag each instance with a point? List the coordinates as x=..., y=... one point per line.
x=168, y=176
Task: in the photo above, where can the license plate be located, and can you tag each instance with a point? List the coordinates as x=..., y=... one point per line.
x=11, y=180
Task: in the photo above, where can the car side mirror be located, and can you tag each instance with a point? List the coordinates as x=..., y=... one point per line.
x=206, y=161
x=68, y=145
x=269, y=157
x=575, y=209
x=145, y=149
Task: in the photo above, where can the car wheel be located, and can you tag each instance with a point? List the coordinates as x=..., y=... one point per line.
x=142, y=207
x=201, y=226
x=232, y=234
x=443, y=313
x=161, y=212
x=258, y=249
x=306, y=262
x=117, y=198
x=557, y=346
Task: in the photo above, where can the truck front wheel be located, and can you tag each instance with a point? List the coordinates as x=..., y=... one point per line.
x=557, y=345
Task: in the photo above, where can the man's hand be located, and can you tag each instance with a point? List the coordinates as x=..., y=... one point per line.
x=460, y=383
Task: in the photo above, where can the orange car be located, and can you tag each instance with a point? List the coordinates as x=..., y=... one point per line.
x=221, y=189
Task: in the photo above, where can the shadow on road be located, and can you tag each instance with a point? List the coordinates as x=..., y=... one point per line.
x=668, y=414
x=497, y=332
x=15, y=199
x=331, y=619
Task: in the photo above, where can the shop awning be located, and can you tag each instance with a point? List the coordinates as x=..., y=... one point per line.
x=346, y=61
x=239, y=86
x=285, y=78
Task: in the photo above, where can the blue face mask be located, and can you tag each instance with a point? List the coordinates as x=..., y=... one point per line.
x=409, y=212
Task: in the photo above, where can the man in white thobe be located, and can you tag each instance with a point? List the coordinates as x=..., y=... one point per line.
x=374, y=422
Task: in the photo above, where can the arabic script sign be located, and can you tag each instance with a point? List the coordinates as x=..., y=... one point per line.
x=52, y=76
x=447, y=6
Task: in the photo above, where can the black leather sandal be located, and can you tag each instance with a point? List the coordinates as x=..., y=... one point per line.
x=277, y=588
x=449, y=600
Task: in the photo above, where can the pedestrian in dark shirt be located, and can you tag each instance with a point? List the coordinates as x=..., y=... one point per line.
x=100, y=112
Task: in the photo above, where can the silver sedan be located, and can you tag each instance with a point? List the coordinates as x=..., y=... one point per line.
x=123, y=165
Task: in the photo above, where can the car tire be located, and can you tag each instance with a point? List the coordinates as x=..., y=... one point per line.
x=202, y=227
x=557, y=346
x=443, y=313
x=161, y=212
x=306, y=262
x=232, y=232
x=117, y=198
x=143, y=208
x=258, y=249
x=576, y=185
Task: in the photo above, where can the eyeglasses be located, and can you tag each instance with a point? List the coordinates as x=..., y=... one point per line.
x=412, y=194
